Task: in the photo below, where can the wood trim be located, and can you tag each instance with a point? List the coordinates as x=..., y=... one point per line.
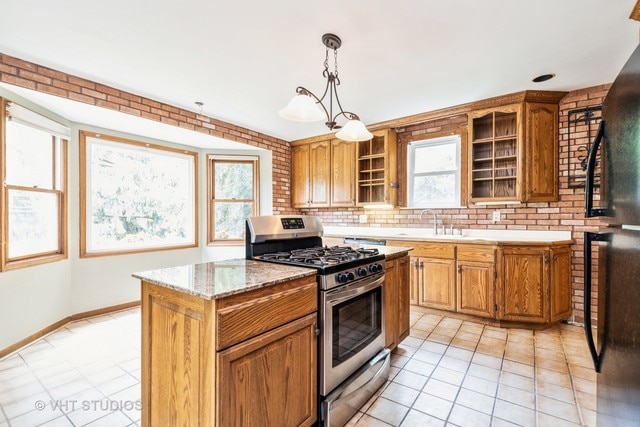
x=105, y=310
x=239, y=158
x=62, y=322
x=61, y=253
x=635, y=12
x=512, y=98
x=31, y=338
x=83, y=194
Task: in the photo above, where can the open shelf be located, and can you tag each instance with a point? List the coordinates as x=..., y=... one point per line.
x=494, y=155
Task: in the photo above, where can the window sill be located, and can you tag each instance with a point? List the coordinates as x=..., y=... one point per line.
x=433, y=207
x=32, y=262
x=226, y=243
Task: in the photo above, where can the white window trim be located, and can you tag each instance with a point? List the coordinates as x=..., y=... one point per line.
x=413, y=146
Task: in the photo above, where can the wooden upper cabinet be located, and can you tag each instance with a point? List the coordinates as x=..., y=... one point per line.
x=343, y=173
x=319, y=173
x=523, y=289
x=377, y=169
x=513, y=150
x=300, y=176
x=541, y=152
x=311, y=175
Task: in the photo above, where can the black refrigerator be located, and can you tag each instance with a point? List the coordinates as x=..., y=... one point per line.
x=615, y=349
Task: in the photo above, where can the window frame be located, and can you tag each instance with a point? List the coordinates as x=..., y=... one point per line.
x=212, y=159
x=59, y=148
x=458, y=140
x=85, y=210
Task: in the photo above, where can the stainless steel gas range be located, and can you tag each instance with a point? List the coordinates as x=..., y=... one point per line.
x=353, y=362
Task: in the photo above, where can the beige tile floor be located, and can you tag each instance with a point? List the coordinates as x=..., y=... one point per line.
x=454, y=372
x=448, y=372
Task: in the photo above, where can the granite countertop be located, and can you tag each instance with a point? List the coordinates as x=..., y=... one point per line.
x=486, y=236
x=219, y=279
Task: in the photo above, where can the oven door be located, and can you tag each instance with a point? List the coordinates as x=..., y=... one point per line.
x=353, y=329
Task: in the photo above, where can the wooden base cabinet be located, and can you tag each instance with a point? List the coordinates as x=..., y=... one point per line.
x=262, y=378
x=475, y=287
x=246, y=359
x=396, y=301
x=510, y=283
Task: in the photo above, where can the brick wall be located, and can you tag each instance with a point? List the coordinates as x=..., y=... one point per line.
x=42, y=79
x=565, y=214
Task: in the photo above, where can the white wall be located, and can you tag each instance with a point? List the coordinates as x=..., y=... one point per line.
x=35, y=297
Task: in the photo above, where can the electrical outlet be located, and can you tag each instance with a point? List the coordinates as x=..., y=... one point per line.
x=363, y=219
x=496, y=216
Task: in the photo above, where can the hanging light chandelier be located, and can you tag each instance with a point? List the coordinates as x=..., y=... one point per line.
x=307, y=107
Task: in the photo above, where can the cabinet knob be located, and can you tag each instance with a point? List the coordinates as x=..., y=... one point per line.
x=459, y=269
x=546, y=258
x=421, y=265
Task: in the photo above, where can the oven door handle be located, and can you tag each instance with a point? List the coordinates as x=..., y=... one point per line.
x=384, y=357
x=352, y=290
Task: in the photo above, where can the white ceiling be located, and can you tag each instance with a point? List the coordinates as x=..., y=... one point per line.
x=244, y=59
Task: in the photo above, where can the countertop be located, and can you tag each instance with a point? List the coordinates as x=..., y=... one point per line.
x=468, y=235
x=219, y=279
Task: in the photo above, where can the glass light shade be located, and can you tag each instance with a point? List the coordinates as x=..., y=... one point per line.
x=354, y=130
x=303, y=108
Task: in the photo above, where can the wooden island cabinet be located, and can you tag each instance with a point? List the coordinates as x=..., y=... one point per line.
x=227, y=356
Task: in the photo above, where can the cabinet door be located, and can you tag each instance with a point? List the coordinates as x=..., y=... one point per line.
x=403, y=298
x=560, y=283
x=319, y=173
x=437, y=289
x=541, y=152
x=391, y=305
x=414, y=280
x=475, y=286
x=270, y=379
x=343, y=173
x=300, y=176
x=523, y=288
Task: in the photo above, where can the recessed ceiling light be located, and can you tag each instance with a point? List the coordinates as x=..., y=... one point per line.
x=543, y=78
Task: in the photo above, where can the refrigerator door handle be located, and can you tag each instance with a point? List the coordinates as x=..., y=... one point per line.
x=588, y=239
x=589, y=210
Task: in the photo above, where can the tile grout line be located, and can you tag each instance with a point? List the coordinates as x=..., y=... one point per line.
x=573, y=387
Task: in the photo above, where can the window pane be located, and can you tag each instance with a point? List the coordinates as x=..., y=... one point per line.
x=29, y=156
x=230, y=219
x=139, y=198
x=233, y=181
x=435, y=158
x=33, y=223
x=434, y=189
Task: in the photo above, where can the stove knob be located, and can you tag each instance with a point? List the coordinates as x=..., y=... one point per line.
x=378, y=267
x=362, y=272
x=350, y=276
x=372, y=268
x=341, y=278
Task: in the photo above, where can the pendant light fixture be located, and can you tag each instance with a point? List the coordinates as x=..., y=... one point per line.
x=307, y=107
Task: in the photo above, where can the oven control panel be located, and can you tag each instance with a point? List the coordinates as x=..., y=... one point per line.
x=292, y=223
x=351, y=275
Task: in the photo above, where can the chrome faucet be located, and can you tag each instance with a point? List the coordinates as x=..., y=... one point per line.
x=435, y=219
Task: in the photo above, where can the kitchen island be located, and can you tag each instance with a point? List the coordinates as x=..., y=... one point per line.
x=229, y=343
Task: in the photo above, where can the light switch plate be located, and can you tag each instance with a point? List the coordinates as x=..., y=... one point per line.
x=363, y=219
x=496, y=216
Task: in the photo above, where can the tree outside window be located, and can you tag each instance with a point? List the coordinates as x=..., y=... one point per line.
x=233, y=196
x=138, y=196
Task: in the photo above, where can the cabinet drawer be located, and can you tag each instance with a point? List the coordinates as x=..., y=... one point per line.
x=243, y=316
x=432, y=250
x=479, y=253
